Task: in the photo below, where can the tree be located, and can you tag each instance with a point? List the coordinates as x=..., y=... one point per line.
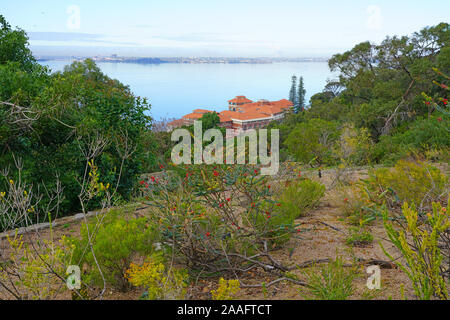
x=14, y=46
x=312, y=142
x=210, y=120
x=381, y=84
x=300, y=96
x=293, y=92
x=51, y=121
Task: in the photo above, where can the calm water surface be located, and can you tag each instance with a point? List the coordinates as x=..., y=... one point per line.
x=176, y=89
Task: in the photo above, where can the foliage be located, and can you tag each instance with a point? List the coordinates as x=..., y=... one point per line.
x=159, y=283
x=300, y=196
x=359, y=236
x=419, y=135
x=353, y=145
x=35, y=270
x=216, y=216
x=417, y=182
x=332, y=281
x=14, y=46
x=115, y=242
x=383, y=83
x=312, y=141
x=227, y=289
x=418, y=241
x=293, y=92
x=52, y=121
x=359, y=205
x=301, y=103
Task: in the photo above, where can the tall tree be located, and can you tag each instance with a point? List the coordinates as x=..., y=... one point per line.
x=14, y=46
x=300, y=96
x=293, y=92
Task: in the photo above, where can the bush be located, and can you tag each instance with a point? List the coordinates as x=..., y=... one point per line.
x=159, y=283
x=217, y=218
x=117, y=240
x=299, y=197
x=313, y=141
x=418, y=182
x=330, y=282
x=419, y=242
x=35, y=272
x=360, y=206
x=227, y=290
x=359, y=236
x=353, y=145
x=420, y=136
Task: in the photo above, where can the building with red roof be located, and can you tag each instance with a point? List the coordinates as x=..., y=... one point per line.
x=238, y=101
x=244, y=114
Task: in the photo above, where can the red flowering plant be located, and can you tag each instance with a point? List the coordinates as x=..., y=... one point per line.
x=218, y=218
x=438, y=103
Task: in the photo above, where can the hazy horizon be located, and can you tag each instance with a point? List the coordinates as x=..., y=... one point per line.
x=250, y=28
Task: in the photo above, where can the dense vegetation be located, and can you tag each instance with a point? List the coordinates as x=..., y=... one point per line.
x=51, y=123
x=396, y=91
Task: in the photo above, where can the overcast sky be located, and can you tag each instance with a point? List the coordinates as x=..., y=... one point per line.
x=250, y=28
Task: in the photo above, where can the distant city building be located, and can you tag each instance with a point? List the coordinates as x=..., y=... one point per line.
x=242, y=114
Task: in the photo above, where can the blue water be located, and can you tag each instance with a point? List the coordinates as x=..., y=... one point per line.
x=176, y=89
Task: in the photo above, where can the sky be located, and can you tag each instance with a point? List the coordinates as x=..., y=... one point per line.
x=231, y=28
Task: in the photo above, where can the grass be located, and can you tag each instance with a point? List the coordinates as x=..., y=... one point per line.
x=332, y=281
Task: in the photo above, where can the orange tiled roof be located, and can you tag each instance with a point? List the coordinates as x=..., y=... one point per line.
x=201, y=111
x=226, y=115
x=193, y=116
x=250, y=115
x=240, y=99
x=283, y=103
x=265, y=107
x=250, y=110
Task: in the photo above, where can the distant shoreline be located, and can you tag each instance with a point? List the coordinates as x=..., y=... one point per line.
x=182, y=60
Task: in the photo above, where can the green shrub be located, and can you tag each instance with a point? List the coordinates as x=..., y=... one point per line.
x=313, y=141
x=417, y=182
x=116, y=242
x=353, y=145
x=226, y=290
x=419, y=136
x=160, y=282
x=359, y=236
x=419, y=241
x=301, y=196
x=332, y=281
